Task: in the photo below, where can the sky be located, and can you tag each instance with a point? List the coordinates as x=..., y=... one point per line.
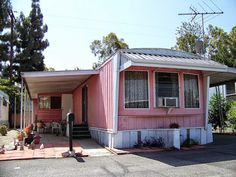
x=74, y=24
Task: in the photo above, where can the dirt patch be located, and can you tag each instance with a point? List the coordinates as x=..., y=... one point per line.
x=4, y=140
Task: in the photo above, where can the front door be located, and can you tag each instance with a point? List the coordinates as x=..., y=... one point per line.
x=85, y=105
x=67, y=104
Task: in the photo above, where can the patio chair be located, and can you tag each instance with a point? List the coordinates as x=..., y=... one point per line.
x=47, y=127
x=56, y=126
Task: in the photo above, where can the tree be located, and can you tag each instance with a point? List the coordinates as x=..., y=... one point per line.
x=220, y=46
x=187, y=35
x=5, y=7
x=218, y=108
x=106, y=47
x=31, y=42
x=232, y=114
x=49, y=68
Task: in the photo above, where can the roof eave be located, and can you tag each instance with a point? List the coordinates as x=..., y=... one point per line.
x=58, y=73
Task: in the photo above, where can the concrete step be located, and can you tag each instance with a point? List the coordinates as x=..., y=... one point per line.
x=81, y=136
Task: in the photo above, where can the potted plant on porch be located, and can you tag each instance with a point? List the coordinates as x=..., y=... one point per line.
x=40, y=124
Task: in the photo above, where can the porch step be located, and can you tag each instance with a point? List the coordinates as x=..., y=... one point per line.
x=81, y=131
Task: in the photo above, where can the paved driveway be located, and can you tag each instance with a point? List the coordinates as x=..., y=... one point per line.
x=218, y=159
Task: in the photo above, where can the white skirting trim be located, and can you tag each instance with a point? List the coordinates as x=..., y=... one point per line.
x=171, y=137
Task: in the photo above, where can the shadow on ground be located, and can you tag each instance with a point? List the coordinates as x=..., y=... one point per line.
x=222, y=149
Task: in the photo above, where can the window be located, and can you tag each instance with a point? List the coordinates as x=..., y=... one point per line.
x=191, y=93
x=230, y=88
x=136, y=89
x=47, y=102
x=167, y=89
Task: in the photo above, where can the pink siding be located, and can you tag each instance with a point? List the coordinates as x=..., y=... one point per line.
x=99, y=99
x=47, y=115
x=160, y=117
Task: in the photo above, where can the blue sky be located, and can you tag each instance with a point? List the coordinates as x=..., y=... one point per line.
x=74, y=24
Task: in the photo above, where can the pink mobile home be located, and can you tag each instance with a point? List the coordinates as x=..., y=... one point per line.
x=135, y=94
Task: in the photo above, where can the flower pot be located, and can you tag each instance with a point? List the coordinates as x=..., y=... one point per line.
x=20, y=137
x=39, y=124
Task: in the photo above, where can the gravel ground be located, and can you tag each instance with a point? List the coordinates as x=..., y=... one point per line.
x=4, y=140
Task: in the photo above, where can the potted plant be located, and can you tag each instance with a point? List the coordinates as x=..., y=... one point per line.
x=40, y=124
x=20, y=136
x=174, y=125
x=28, y=129
x=3, y=130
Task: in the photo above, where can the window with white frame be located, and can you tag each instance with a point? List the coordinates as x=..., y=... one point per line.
x=136, y=89
x=50, y=102
x=167, y=89
x=191, y=91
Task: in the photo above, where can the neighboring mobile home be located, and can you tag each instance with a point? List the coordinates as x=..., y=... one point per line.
x=4, y=108
x=135, y=94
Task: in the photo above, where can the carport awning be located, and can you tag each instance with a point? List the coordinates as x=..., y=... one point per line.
x=55, y=81
x=220, y=78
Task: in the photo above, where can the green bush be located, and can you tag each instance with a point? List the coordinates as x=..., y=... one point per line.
x=189, y=142
x=232, y=115
x=218, y=108
x=3, y=130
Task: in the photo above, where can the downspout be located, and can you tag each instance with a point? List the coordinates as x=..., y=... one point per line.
x=115, y=76
x=207, y=85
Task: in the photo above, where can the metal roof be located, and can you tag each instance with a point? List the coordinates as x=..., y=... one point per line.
x=169, y=59
x=55, y=81
x=162, y=52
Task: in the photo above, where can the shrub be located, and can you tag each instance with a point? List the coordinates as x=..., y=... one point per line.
x=153, y=142
x=174, y=125
x=3, y=130
x=232, y=115
x=218, y=108
x=189, y=142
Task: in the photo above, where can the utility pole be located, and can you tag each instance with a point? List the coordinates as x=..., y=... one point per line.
x=11, y=14
x=195, y=13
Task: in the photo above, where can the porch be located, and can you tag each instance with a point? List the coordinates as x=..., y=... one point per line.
x=54, y=147
x=49, y=96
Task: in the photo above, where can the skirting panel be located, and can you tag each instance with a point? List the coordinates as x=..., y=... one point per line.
x=171, y=137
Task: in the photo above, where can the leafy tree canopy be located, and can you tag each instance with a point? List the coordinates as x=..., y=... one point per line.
x=31, y=42
x=106, y=47
x=219, y=45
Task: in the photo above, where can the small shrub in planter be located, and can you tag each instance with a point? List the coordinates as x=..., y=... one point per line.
x=158, y=142
x=3, y=130
x=174, y=125
x=151, y=142
x=189, y=142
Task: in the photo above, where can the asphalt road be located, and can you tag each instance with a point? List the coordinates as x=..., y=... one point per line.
x=218, y=159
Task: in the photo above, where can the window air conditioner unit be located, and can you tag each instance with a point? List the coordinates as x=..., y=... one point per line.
x=168, y=102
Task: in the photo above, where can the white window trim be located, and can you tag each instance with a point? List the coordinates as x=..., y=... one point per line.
x=154, y=84
x=198, y=90
x=124, y=91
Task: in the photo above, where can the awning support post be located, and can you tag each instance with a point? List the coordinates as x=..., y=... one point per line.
x=21, y=105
